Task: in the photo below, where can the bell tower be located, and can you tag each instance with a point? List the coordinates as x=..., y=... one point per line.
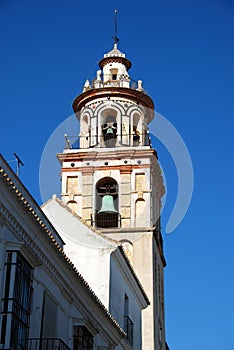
x=113, y=179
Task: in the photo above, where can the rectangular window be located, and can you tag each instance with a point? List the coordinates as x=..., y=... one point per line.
x=72, y=184
x=49, y=317
x=114, y=72
x=82, y=338
x=17, y=300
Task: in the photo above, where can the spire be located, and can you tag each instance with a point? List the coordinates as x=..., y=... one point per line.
x=116, y=39
x=115, y=55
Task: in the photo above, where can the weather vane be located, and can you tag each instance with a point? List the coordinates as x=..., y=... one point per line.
x=116, y=39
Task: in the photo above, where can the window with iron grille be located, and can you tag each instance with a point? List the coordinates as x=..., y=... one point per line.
x=128, y=324
x=17, y=300
x=128, y=327
x=82, y=338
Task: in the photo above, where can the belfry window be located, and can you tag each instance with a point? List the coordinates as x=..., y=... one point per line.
x=136, y=130
x=106, y=203
x=109, y=128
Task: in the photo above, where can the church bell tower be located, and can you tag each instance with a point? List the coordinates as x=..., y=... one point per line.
x=113, y=179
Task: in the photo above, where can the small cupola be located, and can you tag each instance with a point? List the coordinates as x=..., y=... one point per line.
x=115, y=66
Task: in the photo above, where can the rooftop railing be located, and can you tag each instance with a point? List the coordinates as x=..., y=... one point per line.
x=115, y=80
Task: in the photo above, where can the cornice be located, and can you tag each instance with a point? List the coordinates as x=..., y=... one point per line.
x=119, y=59
x=98, y=153
x=122, y=168
x=114, y=92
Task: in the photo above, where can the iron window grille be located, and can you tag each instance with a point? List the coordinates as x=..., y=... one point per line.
x=82, y=338
x=128, y=327
x=17, y=305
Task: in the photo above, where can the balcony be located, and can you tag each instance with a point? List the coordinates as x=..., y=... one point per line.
x=115, y=80
x=90, y=140
x=44, y=344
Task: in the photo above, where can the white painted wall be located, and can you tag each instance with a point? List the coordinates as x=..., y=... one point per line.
x=101, y=263
x=118, y=287
x=89, y=252
x=19, y=231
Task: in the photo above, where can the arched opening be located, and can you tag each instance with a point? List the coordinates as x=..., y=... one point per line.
x=107, y=203
x=136, y=130
x=109, y=127
x=85, y=123
x=140, y=213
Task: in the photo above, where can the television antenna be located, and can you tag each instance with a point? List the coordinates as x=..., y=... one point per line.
x=19, y=163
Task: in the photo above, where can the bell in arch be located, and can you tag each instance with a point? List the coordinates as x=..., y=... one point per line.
x=107, y=205
x=107, y=216
x=109, y=131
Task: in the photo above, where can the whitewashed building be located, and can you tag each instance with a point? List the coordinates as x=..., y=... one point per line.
x=45, y=301
x=103, y=263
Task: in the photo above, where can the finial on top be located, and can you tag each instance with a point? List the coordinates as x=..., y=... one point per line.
x=116, y=39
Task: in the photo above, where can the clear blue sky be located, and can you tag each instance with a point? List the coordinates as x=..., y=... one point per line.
x=184, y=53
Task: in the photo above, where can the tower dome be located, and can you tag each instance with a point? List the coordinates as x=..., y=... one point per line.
x=112, y=82
x=115, y=56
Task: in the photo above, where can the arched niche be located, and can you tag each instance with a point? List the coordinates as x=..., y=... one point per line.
x=140, y=213
x=73, y=206
x=107, y=205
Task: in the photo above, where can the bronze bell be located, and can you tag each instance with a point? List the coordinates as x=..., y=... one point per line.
x=109, y=131
x=107, y=205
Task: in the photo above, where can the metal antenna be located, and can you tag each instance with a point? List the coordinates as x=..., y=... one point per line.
x=19, y=163
x=116, y=39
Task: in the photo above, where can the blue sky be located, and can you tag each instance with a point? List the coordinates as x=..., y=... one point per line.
x=184, y=53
